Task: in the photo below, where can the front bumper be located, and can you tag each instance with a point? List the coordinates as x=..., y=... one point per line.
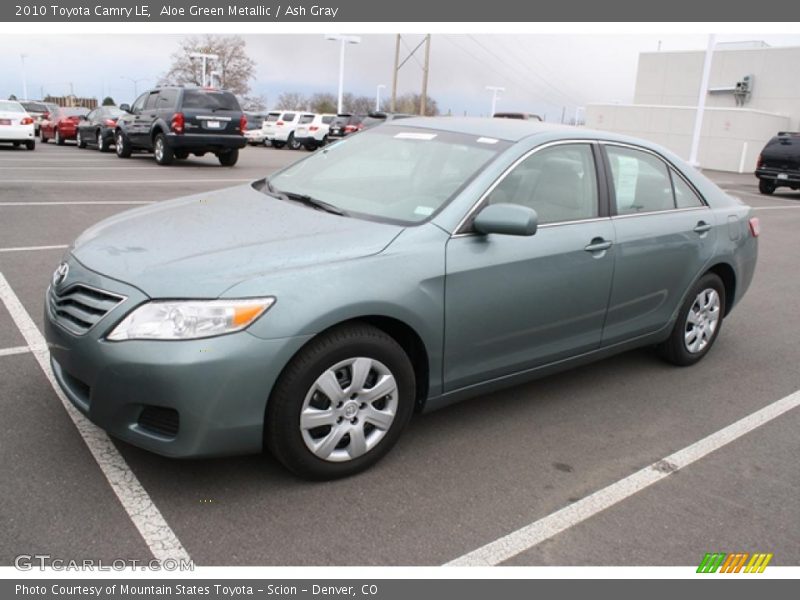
x=216, y=389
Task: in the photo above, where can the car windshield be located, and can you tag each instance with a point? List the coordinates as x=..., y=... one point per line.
x=210, y=100
x=390, y=173
x=7, y=106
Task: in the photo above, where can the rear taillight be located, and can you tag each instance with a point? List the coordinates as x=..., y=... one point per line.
x=26, y=121
x=279, y=123
x=243, y=123
x=110, y=122
x=755, y=226
x=350, y=128
x=178, y=122
x=313, y=128
x=760, y=161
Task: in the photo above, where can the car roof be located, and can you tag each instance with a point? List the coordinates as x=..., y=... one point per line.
x=511, y=130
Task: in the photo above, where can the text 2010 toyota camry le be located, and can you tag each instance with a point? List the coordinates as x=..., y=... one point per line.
x=403, y=268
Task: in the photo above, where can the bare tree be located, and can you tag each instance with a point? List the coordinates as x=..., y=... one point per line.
x=253, y=103
x=322, y=102
x=409, y=103
x=234, y=66
x=292, y=101
x=357, y=104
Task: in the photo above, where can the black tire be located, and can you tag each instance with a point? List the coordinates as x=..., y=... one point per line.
x=79, y=140
x=229, y=158
x=278, y=145
x=310, y=146
x=324, y=141
x=122, y=144
x=293, y=143
x=674, y=349
x=42, y=137
x=164, y=155
x=100, y=140
x=59, y=139
x=16, y=144
x=182, y=155
x=30, y=144
x=767, y=187
x=282, y=431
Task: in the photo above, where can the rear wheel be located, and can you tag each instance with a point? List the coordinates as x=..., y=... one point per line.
x=293, y=143
x=698, y=324
x=311, y=146
x=59, y=138
x=122, y=145
x=181, y=155
x=79, y=140
x=229, y=158
x=16, y=144
x=163, y=153
x=102, y=145
x=30, y=144
x=42, y=137
x=341, y=403
x=278, y=145
x=765, y=186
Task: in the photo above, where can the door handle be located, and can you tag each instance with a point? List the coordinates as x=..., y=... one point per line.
x=598, y=245
x=702, y=227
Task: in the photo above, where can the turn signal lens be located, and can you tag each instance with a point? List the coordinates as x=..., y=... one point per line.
x=178, y=123
x=243, y=123
x=755, y=226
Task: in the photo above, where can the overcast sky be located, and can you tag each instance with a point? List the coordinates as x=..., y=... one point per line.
x=541, y=73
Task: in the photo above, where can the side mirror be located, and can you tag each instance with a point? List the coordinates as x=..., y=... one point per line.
x=125, y=107
x=506, y=219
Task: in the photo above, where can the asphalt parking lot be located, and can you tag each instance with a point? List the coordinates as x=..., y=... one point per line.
x=459, y=478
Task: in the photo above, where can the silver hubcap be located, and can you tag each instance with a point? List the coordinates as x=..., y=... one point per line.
x=159, y=149
x=702, y=320
x=349, y=409
x=119, y=142
x=99, y=140
x=79, y=140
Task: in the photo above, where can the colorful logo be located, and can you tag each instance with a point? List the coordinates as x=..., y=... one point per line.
x=735, y=562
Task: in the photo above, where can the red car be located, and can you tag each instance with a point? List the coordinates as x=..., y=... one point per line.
x=61, y=124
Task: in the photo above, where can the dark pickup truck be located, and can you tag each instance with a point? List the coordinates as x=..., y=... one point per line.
x=779, y=163
x=174, y=122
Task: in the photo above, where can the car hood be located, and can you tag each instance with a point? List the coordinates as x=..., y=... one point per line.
x=201, y=245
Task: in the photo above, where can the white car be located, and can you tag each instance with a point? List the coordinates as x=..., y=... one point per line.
x=312, y=130
x=16, y=125
x=279, y=127
x=254, y=133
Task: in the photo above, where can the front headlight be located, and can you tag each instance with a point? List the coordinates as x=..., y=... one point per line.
x=187, y=320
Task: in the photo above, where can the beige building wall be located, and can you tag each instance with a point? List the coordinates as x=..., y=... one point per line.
x=731, y=138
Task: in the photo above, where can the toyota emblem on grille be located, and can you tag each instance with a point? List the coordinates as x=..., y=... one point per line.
x=60, y=274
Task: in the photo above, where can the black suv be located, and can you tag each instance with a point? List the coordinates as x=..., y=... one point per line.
x=779, y=163
x=173, y=122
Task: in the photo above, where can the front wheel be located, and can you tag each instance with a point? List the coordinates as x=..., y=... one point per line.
x=59, y=138
x=102, y=145
x=293, y=143
x=30, y=145
x=278, y=145
x=122, y=145
x=765, y=186
x=229, y=158
x=341, y=403
x=698, y=324
x=79, y=140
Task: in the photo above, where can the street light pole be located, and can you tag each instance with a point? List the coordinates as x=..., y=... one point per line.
x=24, y=79
x=701, y=102
x=378, y=96
x=135, y=84
x=495, y=93
x=343, y=40
x=205, y=58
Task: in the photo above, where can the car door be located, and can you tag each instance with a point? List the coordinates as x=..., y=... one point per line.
x=132, y=121
x=513, y=303
x=665, y=236
x=86, y=125
x=145, y=119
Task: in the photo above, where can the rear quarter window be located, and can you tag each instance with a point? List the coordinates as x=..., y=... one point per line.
x=288, y=116
x=305, y=119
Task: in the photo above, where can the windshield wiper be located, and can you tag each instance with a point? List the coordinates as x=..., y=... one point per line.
x=316, y=203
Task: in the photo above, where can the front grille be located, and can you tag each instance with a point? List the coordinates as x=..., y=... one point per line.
x=160, y=420
x=79, y=307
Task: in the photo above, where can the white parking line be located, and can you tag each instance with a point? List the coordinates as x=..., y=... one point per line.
x=529, y=536
x=13, y=351
x=196, y=181
x=69, y=202
x=157, y=534
x=31, y=248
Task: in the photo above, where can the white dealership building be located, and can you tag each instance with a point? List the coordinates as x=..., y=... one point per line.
x=753, y=92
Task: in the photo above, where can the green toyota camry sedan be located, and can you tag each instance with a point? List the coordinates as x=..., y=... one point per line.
x=399, y=270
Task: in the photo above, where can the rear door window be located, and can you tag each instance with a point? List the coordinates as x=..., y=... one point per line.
x=641, y=181
x=305, y=119
x=288, y=117
x=167, y=99
x=150, y=104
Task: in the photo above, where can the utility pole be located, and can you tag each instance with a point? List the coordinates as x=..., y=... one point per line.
x=701, y=102
x=343, y=41
x=496, y=90
x=24, y=79
x=378, y=96
x=423, y=102
x=396, y=69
